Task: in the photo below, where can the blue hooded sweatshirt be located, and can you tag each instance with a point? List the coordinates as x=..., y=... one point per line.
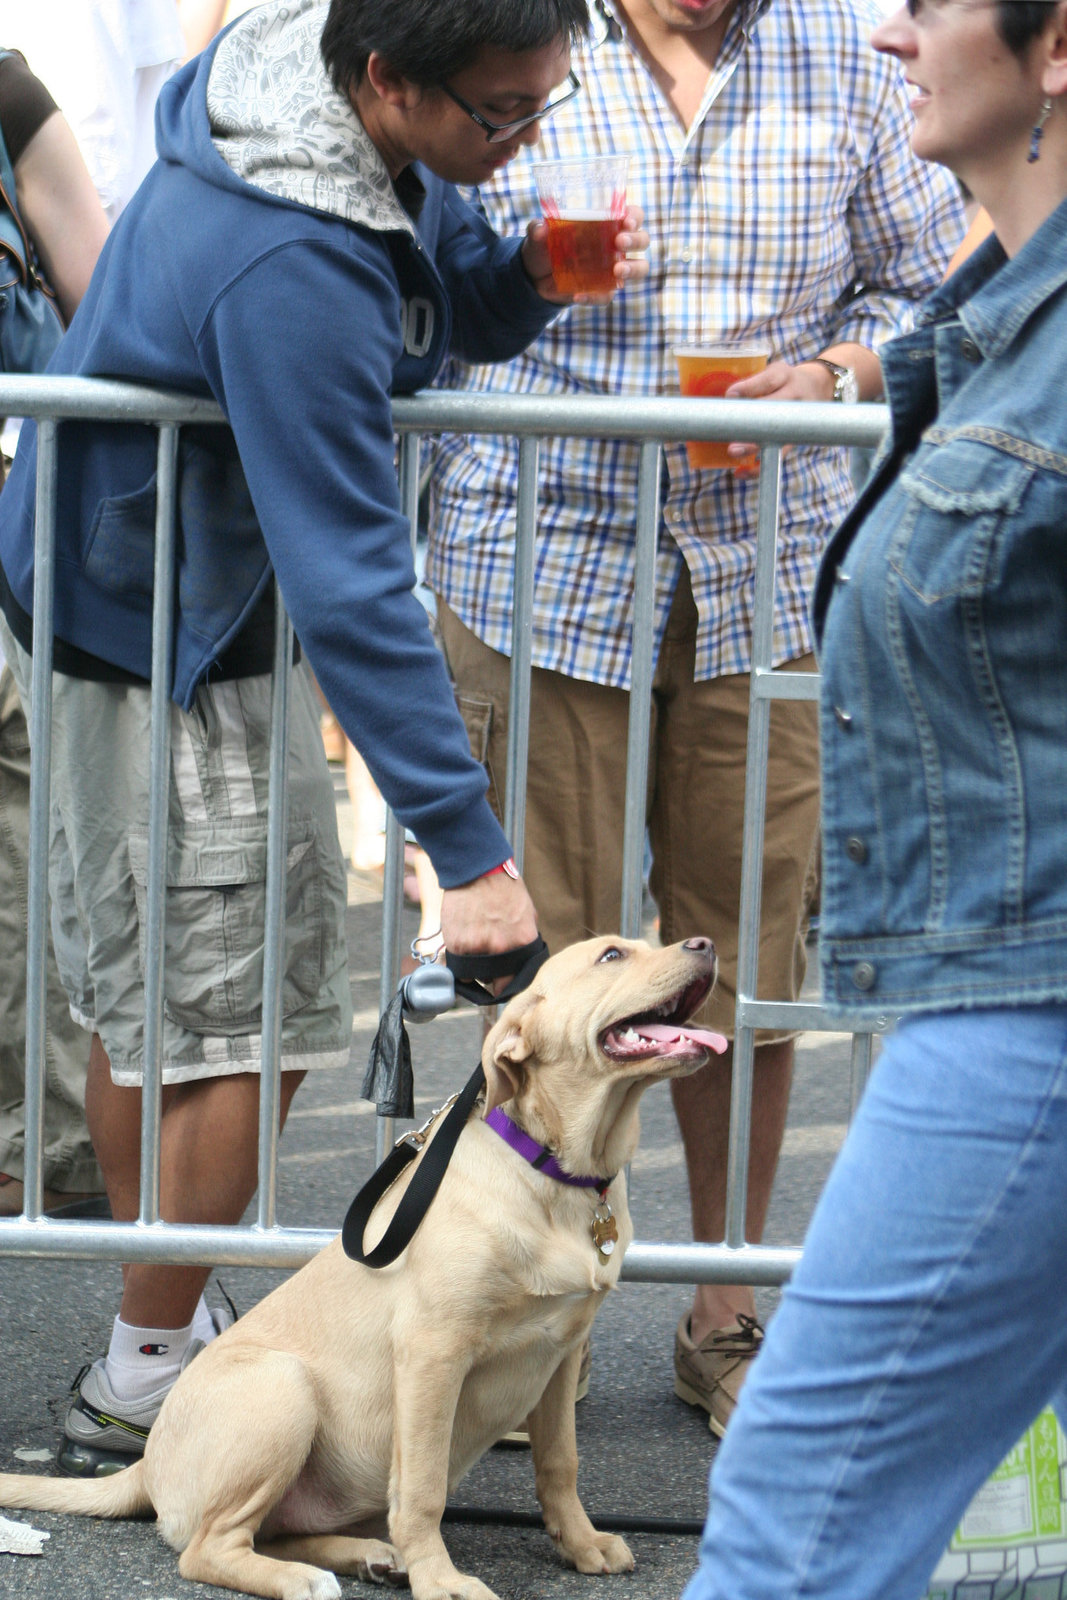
x=267, y=262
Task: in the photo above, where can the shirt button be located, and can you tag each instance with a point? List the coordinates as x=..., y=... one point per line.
x=856, y=850
x=864, y=974
x=843, y=718
x=970, y=351
x=687, y=255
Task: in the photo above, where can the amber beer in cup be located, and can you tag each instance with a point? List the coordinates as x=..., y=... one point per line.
x=710, y=370
x=583, y=203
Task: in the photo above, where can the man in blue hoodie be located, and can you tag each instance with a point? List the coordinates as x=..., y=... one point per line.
x=296, y=256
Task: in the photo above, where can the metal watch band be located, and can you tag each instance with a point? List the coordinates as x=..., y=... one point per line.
x=846, y=387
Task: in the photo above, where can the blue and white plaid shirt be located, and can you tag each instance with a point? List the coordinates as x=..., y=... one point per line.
x=792, y=212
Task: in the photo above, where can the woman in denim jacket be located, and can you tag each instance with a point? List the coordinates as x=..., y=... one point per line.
x=927, y=1323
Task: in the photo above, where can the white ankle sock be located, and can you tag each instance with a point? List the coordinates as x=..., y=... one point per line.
x=142, y=1360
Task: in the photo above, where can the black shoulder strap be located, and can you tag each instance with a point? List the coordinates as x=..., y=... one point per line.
x=420, y=1191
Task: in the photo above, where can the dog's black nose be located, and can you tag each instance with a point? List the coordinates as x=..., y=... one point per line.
x=703, y=945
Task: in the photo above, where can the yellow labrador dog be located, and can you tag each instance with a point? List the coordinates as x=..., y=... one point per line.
x=351, y=1393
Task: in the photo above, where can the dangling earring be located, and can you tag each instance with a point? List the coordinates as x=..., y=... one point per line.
x=1038, y=129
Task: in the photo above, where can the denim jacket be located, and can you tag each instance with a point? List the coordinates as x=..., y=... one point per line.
x=941, y=615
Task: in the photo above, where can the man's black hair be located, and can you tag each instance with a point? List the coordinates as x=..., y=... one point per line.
x=429, y=41
x=1019, y=22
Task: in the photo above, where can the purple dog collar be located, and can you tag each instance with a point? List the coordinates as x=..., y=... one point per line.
x=538, y=1155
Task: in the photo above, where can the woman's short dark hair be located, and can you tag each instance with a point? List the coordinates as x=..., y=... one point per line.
x=429, y=41
x=1020, y=21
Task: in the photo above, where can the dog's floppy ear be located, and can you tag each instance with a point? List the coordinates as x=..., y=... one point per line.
x=506, y=1049
x=502, y=1082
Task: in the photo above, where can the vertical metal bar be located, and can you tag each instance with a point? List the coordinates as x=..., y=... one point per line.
x=158, y=804
x=860, y=1062
x=274, y=916
x=40, y=780
x=392, y=912
x=759, y=715
x=393, y=882
x=521, y=648
x=642, y=659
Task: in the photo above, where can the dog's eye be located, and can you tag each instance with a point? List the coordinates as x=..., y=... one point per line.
x=610, y=954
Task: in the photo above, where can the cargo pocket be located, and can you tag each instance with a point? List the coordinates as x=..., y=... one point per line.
x=478, y=720
x=215, y=908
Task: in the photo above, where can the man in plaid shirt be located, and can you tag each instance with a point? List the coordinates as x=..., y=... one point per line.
x=769, y=147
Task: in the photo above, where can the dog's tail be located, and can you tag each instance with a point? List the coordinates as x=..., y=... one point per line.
x=123, y=1494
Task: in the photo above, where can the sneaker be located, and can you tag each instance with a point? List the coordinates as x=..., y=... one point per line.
x=222, y=1317
x=102, y=1434
x=521, y=1435
x=710, y=1374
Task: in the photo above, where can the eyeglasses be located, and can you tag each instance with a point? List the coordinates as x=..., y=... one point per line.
x=916, y=8
x=498, y=132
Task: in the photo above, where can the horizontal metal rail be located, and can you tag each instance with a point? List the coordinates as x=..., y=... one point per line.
x=659, y=417
x=181, y=1244
x=651, y=422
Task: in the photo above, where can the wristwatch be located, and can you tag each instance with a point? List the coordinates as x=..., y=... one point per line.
x=846, y=389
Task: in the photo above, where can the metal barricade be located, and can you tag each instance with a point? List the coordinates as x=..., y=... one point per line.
x=647, y=422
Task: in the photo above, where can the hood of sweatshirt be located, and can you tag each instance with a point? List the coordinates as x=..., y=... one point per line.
x=276, y=121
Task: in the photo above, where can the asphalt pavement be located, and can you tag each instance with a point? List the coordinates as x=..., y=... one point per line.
x=644, y=1454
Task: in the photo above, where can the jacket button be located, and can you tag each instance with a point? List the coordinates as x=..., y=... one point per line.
x=841, y=576
x=856, y=850
x=864, y=974
x=970, y=351
x=842, y=717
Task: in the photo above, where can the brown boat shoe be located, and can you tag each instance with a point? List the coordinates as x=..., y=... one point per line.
x=710, y=1374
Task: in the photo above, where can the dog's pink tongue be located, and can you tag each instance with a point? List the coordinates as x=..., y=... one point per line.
x=667, y=1033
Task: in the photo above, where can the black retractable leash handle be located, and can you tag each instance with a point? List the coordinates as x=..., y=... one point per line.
x=469, y=973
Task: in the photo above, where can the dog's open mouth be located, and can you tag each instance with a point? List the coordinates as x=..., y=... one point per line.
x=661, y=1031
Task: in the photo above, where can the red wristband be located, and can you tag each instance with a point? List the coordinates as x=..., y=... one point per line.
x=507, y=866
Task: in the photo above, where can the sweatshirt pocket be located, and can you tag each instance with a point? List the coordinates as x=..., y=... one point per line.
x=121, y=552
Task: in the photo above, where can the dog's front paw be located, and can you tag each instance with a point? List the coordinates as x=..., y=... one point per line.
x=604, y=1552
x=448, y=1585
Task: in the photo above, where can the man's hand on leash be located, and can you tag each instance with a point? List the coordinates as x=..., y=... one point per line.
x=492, y=914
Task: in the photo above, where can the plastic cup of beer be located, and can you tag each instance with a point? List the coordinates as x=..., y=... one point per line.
x=583, y=203
x=710, y=370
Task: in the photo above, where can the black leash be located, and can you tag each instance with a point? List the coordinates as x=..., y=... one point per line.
x=419, y=1193
x=607, y=1521
x=390, y=1061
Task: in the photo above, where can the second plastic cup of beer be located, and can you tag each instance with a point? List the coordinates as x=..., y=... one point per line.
x=710, y=370
x=583, y=203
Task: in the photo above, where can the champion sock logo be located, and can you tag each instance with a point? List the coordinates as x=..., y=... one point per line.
x=152, y=1349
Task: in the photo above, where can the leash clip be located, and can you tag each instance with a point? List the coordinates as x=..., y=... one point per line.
x=417, y=1137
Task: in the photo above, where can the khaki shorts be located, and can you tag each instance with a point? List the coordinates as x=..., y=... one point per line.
x=572, y=861
x=216, y=876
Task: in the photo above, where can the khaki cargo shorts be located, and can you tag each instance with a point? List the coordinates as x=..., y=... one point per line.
x=215, y=875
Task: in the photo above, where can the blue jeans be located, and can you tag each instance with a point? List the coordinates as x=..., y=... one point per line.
x=924, y=1329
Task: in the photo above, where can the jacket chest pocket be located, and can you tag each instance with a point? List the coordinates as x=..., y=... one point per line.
x=957, y=497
